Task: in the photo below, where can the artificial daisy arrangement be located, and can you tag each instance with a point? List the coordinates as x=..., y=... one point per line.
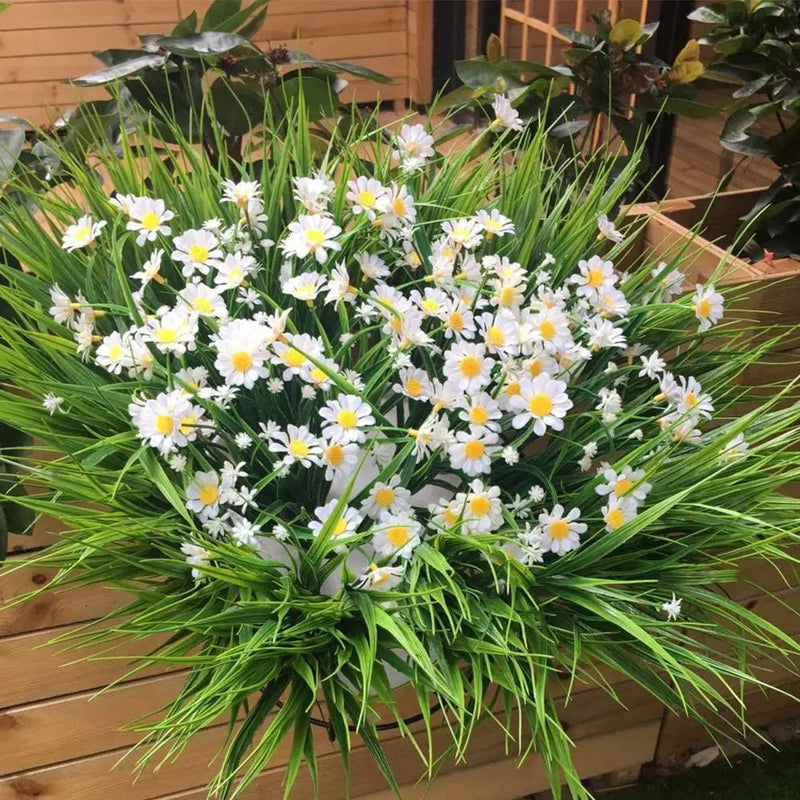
x=378, y=416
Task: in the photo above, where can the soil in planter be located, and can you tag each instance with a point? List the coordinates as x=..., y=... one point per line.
x=772, y=775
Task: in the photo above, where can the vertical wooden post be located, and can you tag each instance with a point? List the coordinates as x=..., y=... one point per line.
x=420, y=50
x=551, y=18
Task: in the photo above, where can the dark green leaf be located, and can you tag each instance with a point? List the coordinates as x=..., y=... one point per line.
x=318, y=95
x=209, y=43
x=187, y=26
x=734, y=44
x=713, y=14
x=237, y=106
x=121, y=70
x=218, y=12
x=753, y=86
x=477, y=73
x=298, y=57
x=577, y=36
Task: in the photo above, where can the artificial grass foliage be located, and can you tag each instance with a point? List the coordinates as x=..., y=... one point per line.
x=775, y=775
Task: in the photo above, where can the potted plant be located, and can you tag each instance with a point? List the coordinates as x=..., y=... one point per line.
x=382, y=417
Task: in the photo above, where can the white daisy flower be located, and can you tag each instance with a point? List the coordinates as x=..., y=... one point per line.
x=293, y=354
x=313, y=234
x=81, y=234
x=148, y=218
x=482, y=507
x=177, y=462
x=652, y=365
x=299, y=445
x=467, y=366
x=203, y=494
x=314, y=193
x=413, y=383
x=396, y=535
x=413, y=147
x=480, y=411
x=466, y=233
x=732, y=449
x=459, y=322
x=234, y=271
x=196, y=557
x=372, y=266
x=305, y=286
x=542, y=400
x=241, y=352
x=387, y=498
x=197, y=250
x=172, y=331
x=63, y=309
x=240, y=193
x=123, y=202
x=708, y=306
x=504, y=115
x=550, y=328
x=627, y=485
x=602, y=333
x=691, y=400
x=672, y=608
x=494, y=223
x=114, y=353
x=339, y=457
x=367, y=195
x=594, y=277
x=618, y=511
x=151, y=269
x=52, y=403
x=345, y=418
x=472, y=451
x=560, y=533
x=401, y=204
x=203, y=300
x=607, y=229
x=338, y=286
x=671, y=282
x=344, y=524
x=167, y=422
x=381, y=579
x=609, y=404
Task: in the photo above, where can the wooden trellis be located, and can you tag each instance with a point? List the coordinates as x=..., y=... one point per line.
x=529, y=27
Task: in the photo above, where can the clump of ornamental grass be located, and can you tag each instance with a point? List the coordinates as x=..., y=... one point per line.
x=359, y=415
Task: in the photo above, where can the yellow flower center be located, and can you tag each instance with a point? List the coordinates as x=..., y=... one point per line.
x=384, y=497
x=547, y=329
x=540, y=404
x=456, y=320
x=398, y=535
x=379, y=576
x=615, y=518
x=203, y=305
x=241, y=361
x=691, y=399
x=479, y=415
x=534, y=367
x=335, y=455
x=474, y=449
x=298, y=448
x=234, y=276
x=450, y=516
x=622, y=486
x=188, y=424
x=480, y=506
x=513, y=389
x=413, y=387
x=347, y=418
x=83, y=233
x=198, y=253
x=431, y=306
x=315, y=237
x=164, y=424
x=399, y=206
x=166, y=335
x=470, y=367
x=208, y=494
x=293, y=358
x=492, y=225
x=496, y=336
x=558, y=529
x=114, y=352
x=396, y=323
x=595, y=278
x=460, y=234
x=507, y=296
x=703, y=308
x=341, y=527
x=366, y=199
x=150, y=220
x=318, y=376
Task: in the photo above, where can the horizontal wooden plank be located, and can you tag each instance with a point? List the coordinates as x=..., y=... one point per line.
x=79, y=725
x=80, y=40
x=66, y=14
x=52, y=93
x=71, y=779
x=45, y=532
x=50, y=608
x=32, y=669
x=293, y=7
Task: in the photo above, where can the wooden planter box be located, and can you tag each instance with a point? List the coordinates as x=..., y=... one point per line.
x=61, y=744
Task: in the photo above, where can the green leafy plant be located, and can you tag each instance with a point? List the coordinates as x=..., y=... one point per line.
x=204, y=78
x=612, y=81
x=757, y=44
x=377, y=417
